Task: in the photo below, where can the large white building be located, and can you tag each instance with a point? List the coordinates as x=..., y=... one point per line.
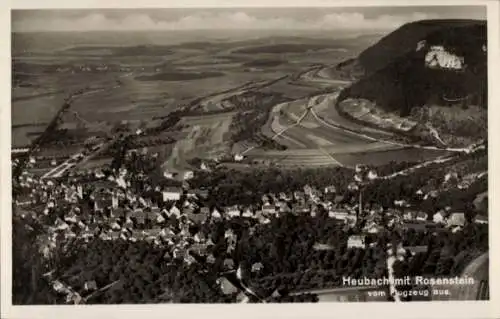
x=356, y=241
x=171, y=194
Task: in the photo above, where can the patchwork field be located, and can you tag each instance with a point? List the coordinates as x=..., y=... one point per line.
x=384, y=157
x=228, y=87
x=372, y=154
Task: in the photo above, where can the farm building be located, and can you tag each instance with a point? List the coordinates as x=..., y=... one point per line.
x=232, y=211
x=421, y=216
x=356, y=241
x=339, y=214
x=330, y=189
x=440, y=217
x=456, y=219
x=172, y=194
x=372, y=228
x=300, y=209
x=268, y=209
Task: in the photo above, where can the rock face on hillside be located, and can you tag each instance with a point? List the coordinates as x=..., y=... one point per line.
x=439, y=58
x=406, y=39
x=434, y=62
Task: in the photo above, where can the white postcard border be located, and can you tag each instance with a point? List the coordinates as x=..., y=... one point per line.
x=474, y=309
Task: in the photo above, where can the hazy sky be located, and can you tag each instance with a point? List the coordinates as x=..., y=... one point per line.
x=359, y=18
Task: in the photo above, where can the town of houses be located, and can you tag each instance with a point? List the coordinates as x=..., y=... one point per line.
x=164, y=215
x=114, y=206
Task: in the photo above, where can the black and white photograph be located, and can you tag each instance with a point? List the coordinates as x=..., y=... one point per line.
x=220, y=155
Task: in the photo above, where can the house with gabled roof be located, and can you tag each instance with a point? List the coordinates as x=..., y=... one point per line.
x=456, y=219
x=257, y=267
x=140, y=218
x=205, y=210
x=115, y=235
x=409, y=215
x=340, y=214
x=153, y=233
x=202, y=192
x=421, y=216
x=307, y=190
x=114, y=223
x=351, y=219
x=90, y=285
x=417, y=249
x=87, y=234
x=228, y=263
x=264, y=220
x=247, y=213
x=265, y=199
x=152, y=215
x=356, y=241
x=315, y=194
x=273, y=197
x=268, y=209
x=330, y=189
x=172, y=194
x=440, y=217
x=481, y=219
x=372, y=228
x=119, y=212
x=192, y=194
x=187, y=210
x=198, y=248
x=298, y=195
x=161, y=216
x=216, y=214
x=284, y=207
x=232, y=211
x=197, y=217
x=300, y=209
x=175, y=211
x=138, y=234
x=71, y=218
x=105, y=236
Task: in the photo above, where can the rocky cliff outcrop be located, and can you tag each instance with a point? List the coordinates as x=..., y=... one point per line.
x=427, y=71
x=442, y=62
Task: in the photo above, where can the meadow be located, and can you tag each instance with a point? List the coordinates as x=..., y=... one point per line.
x=211, y=83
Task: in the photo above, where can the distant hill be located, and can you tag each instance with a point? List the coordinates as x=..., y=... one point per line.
x=403, y=40
x=441, y=62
